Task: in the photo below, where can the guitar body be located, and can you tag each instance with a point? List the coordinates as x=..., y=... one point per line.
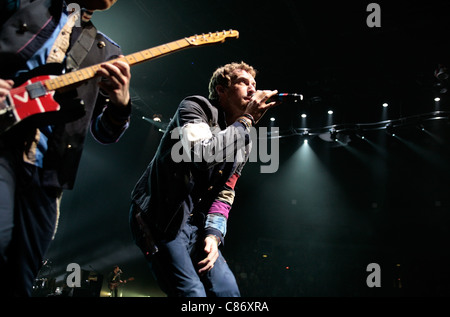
x=31, y=103
x=113, y=285
x=23, y=106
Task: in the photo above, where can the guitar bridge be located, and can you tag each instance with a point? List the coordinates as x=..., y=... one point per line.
x=36, y=90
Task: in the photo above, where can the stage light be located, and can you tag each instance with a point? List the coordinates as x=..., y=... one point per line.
x=305, y=134
x=437, y=99
x=390, y=129
x=330, y=111
x=303, y=120
x=385, y=104
x=441, y=73
x=272, y=119
x=157, y=118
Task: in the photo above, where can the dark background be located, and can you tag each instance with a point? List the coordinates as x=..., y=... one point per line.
x=332, y=208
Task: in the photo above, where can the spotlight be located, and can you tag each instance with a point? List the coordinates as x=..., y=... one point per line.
x=437, y=99
x=303, y=115
x=157, y=122
x=272, y=119
x=305, y=134
x=359, y=133
x=390, y=129
x=440, y=88
x=442, y=84
x=441, y=73
x=330, y=111
x=385, y=105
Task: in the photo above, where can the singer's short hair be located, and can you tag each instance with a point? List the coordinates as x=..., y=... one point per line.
x=222, y=76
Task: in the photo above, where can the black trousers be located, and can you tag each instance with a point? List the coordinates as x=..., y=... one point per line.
x=28, y=215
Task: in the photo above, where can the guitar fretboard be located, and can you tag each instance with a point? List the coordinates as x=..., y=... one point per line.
x=87, y=73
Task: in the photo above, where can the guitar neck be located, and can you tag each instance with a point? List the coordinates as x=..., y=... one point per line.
x=87, y=73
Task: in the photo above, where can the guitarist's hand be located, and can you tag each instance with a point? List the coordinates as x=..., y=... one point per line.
x=5, y=87
x=116, y=81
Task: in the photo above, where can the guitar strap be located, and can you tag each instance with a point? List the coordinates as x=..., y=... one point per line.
x=81, y=47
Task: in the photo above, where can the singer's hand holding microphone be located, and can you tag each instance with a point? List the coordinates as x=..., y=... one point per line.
x=257, y=106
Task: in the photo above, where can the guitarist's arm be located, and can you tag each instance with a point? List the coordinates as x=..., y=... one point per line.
x=109, y=126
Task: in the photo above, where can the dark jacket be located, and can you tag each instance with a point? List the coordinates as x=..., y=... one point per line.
x=168, y=192
x=21, y=35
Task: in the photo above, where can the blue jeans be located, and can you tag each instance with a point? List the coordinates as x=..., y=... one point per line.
x=174, y=267
x=28, y=215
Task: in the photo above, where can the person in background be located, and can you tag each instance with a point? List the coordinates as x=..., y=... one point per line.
x=114, y=280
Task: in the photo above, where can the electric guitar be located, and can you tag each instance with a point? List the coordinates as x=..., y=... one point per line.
x=34, y=100
x=114, y=285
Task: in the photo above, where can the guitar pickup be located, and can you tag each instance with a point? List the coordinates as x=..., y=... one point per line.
x=36, y=90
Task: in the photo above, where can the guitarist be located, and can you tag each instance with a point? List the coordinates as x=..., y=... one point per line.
x=114, y=280
x=38, y=162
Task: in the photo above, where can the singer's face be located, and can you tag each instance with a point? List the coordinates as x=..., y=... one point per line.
x=236, y=97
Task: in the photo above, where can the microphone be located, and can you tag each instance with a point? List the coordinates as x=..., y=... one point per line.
x=286, y=97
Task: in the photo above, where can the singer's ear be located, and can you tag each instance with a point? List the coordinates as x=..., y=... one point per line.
x=220, y=89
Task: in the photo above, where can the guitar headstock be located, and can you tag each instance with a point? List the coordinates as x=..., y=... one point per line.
x=211, y=38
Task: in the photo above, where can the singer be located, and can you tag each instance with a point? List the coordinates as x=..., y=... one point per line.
x=179, y=211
